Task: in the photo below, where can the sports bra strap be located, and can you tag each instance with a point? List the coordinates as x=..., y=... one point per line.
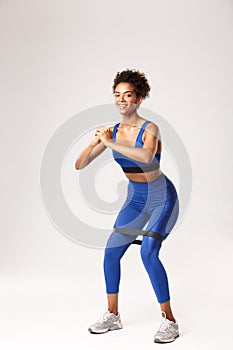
x=114, y=131
x=139, y=137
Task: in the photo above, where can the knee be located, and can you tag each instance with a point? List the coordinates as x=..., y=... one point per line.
x=108, y=254
x=146, y=255
x=149, y=255
x=112, y=255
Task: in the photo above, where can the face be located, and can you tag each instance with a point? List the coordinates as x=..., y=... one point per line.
x=125, y=98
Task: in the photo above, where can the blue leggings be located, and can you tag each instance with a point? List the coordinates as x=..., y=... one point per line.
x=155, y=203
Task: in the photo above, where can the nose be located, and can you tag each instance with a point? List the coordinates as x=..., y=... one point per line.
x=122, y=98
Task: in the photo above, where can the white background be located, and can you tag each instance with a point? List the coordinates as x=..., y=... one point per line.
x=59, y=58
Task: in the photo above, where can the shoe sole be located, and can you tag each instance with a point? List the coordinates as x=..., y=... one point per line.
x=108, y=330
x=164, y=342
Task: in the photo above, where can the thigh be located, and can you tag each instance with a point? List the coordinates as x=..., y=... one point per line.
x=129, y=220
x=131, y=217
x=164, y=215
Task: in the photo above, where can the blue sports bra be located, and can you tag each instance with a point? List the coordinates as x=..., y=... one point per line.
x=130, y=165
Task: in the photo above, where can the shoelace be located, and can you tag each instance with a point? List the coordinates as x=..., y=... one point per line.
x=104, y=317
x=163, y=326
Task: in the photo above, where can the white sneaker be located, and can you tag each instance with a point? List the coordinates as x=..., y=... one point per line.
x=108, y=322
x=168, y=331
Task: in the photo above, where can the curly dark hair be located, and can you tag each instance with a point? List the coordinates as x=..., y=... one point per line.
x=135, y=78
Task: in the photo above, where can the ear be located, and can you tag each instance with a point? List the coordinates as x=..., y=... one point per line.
x=139, y=100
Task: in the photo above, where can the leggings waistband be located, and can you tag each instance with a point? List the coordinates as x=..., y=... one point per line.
x=149, y=184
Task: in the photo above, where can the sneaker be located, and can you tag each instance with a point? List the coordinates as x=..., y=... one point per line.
x=108, y=322
x=168, y=331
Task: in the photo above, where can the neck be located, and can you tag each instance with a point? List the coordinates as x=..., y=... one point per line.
x=132, y=119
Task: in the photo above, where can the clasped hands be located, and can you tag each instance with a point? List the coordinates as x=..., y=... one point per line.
x=103, y=134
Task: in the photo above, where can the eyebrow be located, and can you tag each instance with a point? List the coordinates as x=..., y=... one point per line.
x=124, y=92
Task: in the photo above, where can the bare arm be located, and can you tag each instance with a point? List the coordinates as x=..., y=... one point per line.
x=93, y=150
x=88, y=154
x=145, y=154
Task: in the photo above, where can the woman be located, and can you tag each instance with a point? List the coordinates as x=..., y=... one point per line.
x=151, y=198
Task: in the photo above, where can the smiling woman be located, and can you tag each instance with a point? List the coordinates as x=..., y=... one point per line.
x=151, y=198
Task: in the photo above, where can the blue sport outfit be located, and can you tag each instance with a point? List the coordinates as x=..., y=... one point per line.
x=153, y=203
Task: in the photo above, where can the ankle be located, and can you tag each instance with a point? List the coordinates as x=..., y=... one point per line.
x=169, y=316
x=115, y=312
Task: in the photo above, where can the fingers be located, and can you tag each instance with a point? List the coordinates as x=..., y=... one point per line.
x=101, y=130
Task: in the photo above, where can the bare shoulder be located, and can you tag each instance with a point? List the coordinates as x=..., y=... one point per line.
x=152, y=129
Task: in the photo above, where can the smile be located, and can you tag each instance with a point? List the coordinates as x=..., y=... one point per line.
x=122, y=105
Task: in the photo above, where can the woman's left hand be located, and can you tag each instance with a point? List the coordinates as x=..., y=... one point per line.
x=104, y=134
